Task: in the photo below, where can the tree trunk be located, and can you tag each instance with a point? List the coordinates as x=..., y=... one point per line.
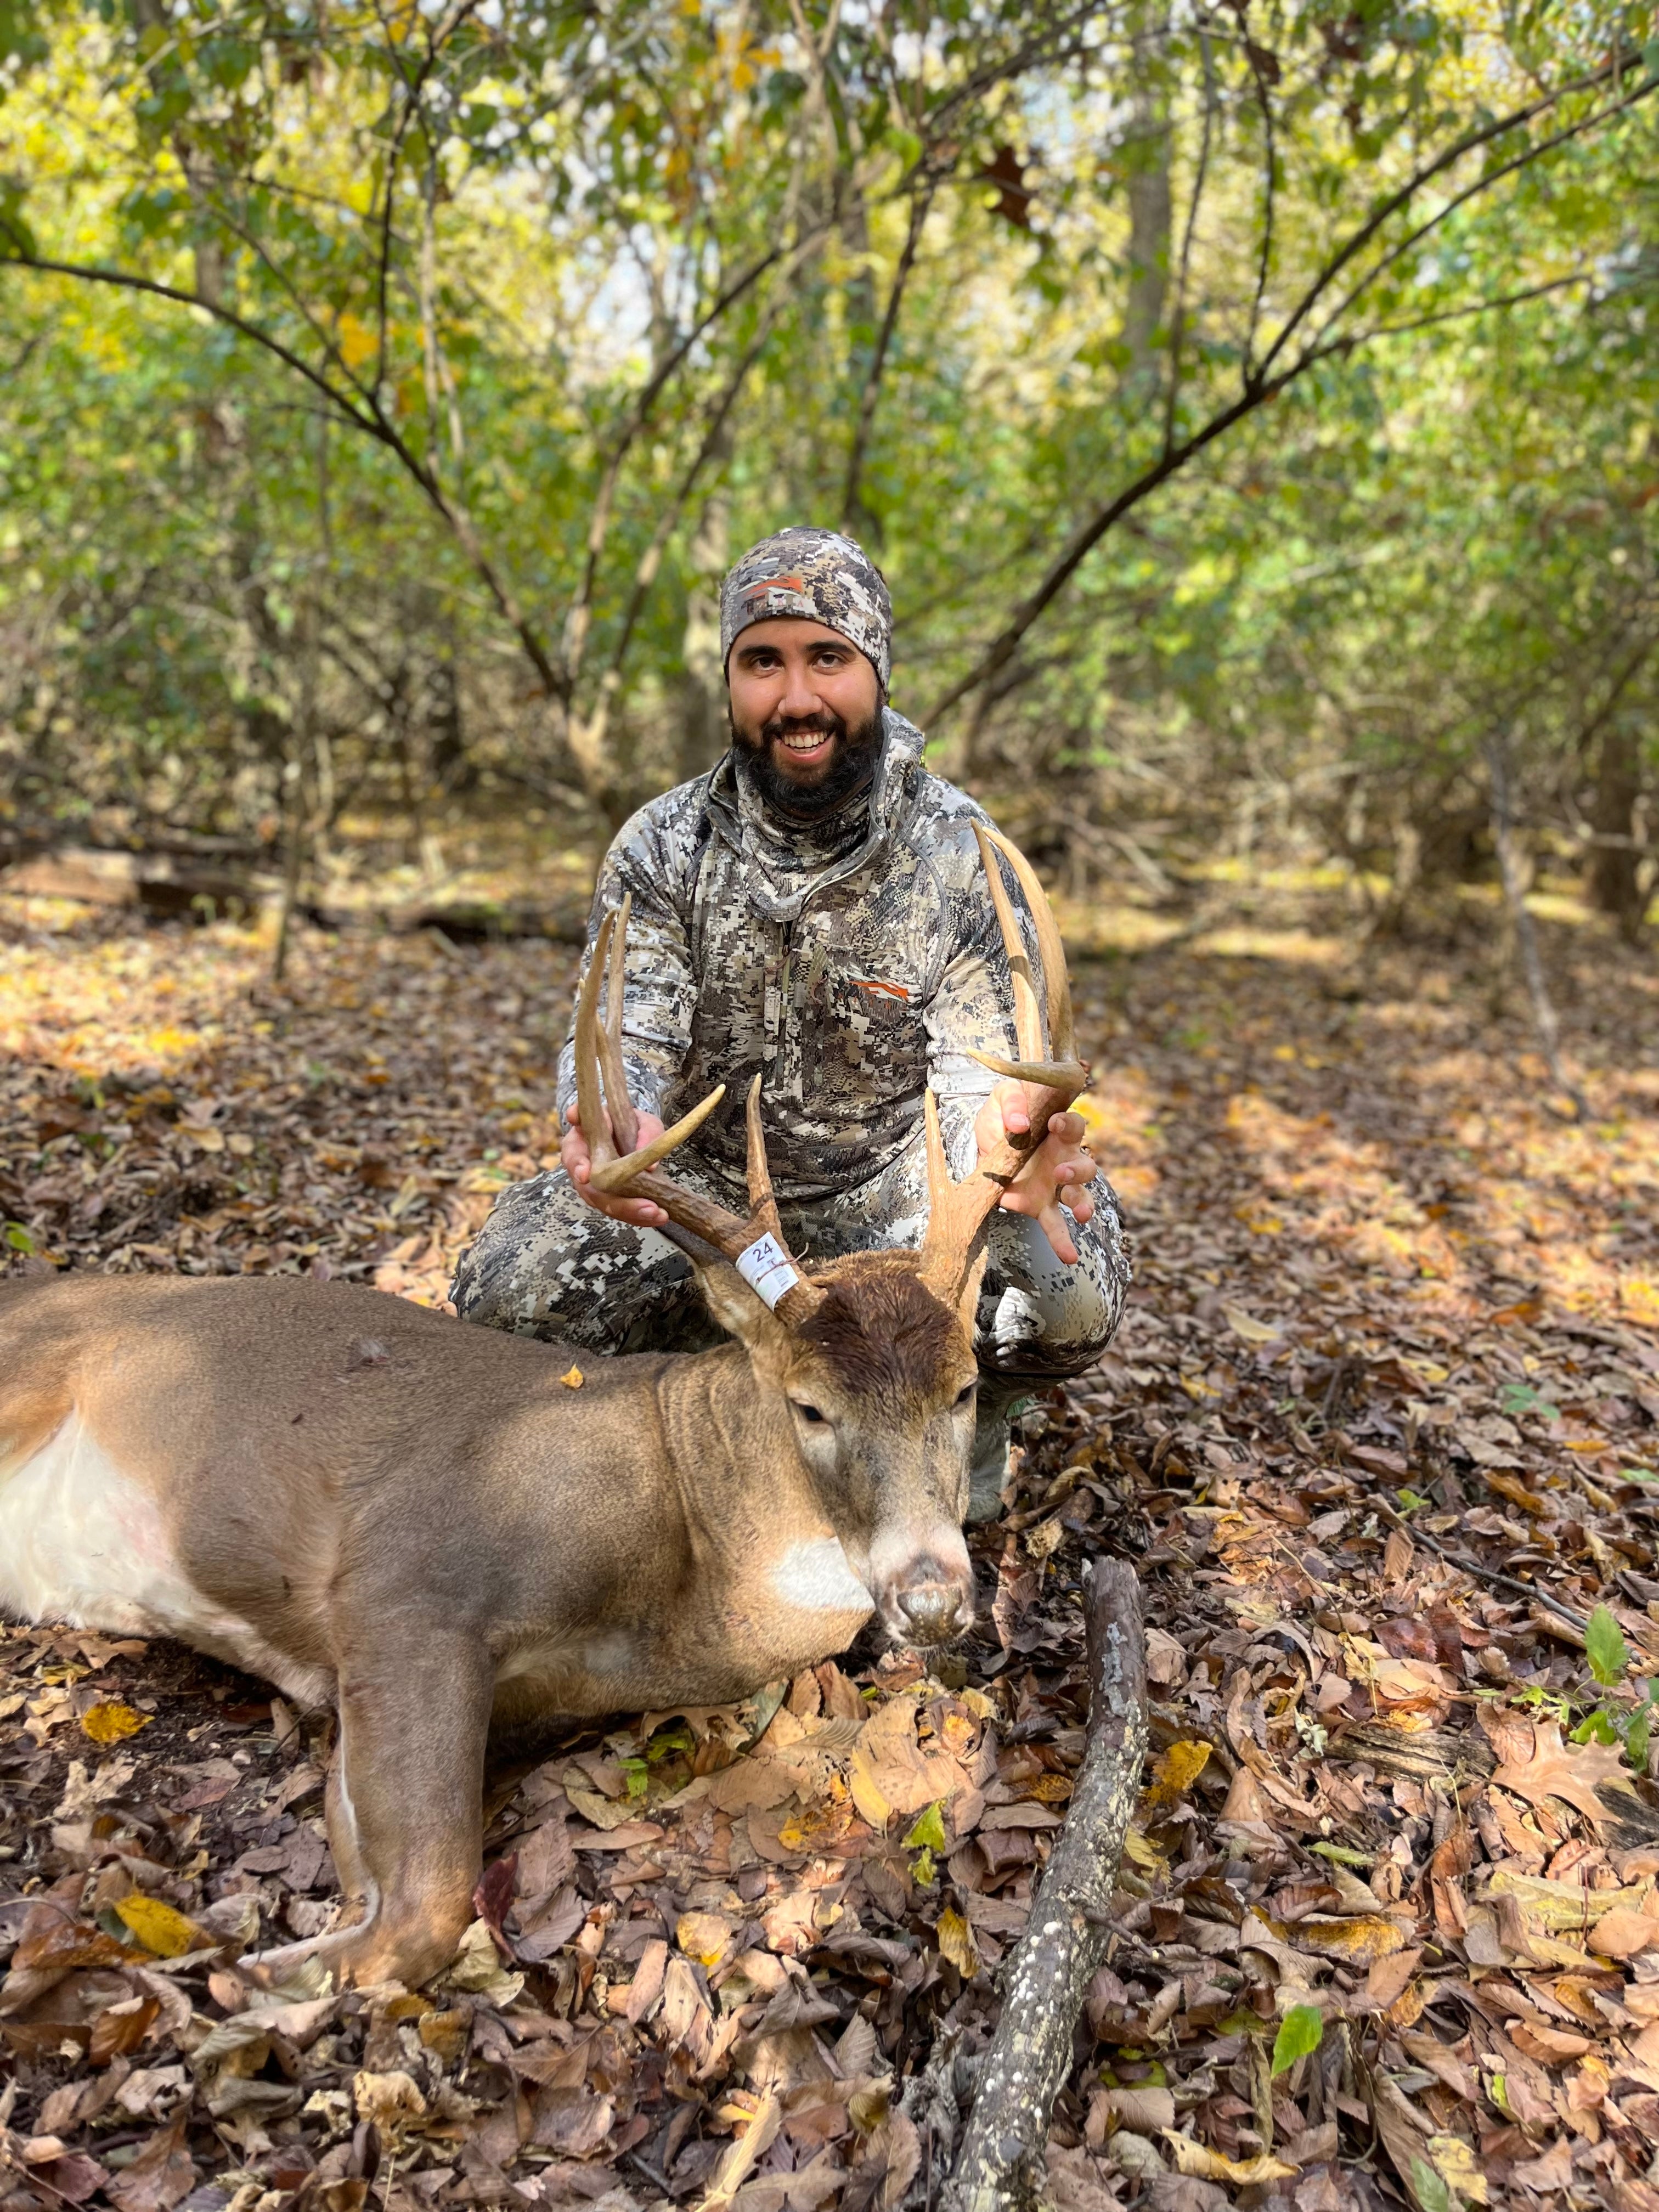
x=1615, y=885
x=1150, y=213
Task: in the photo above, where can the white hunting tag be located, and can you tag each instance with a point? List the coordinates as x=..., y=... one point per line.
x=764, y=1266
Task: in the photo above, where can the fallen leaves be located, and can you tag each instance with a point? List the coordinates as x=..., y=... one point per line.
x=1575, y=1773
x=729, y=1938
x=112, y=1722
x=159, y=1927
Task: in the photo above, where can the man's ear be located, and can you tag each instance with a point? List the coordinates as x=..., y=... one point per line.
x=739, y=1311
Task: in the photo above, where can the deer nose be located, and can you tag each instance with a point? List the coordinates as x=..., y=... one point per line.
x=933, y=1605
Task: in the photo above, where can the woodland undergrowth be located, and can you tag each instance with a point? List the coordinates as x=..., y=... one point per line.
x=1381, y=1429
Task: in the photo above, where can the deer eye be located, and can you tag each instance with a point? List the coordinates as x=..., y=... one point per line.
x=967, y=1391
x=808, y=1413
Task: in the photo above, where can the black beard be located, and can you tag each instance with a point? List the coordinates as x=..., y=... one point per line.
x=851, y=772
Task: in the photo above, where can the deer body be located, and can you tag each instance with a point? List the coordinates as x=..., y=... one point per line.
x=441, y=1529
x=226, y=1463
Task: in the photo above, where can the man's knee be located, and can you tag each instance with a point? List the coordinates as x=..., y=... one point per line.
x=521, y=1269
x=545, y=1264
x=1039, y=1316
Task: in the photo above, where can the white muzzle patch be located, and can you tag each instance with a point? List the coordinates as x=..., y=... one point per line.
x=817, y=1576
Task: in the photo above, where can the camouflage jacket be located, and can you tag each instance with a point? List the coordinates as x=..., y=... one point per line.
x=850, y=964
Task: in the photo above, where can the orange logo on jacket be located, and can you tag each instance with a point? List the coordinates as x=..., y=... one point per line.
x=871, y=983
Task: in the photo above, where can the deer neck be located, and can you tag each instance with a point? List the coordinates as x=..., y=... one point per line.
x=758, y=1528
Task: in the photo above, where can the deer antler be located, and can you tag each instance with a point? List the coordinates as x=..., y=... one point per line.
x=959, y=1211
x=754, y=1245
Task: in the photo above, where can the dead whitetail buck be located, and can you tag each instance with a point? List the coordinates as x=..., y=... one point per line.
x=378, y=1508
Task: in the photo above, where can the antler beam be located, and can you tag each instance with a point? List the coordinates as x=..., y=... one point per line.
x=959, y=1211
x=755, y=1245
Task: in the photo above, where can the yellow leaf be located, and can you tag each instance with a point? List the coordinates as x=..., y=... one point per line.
x=1247, y=1326
x=1193, y=2160
x=873, y=1806
x=704, y=1936
x=572, y=1378
x=1458, y=2168
x=1174, y=1772
x=355, y=340
x=160, y=1928
x=955, y=1943
x=1143, y=1854
x=1364, y=1937
x=110, y=1722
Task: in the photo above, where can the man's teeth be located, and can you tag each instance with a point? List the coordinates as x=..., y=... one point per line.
x=807, y=741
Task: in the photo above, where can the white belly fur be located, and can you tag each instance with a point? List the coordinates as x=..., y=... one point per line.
x=84, y=1543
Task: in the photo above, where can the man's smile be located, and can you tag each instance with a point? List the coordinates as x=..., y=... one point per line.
x=806, y=746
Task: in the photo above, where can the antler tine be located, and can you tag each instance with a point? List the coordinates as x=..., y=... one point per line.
x=753, y=1244
x=1027, y=1021
x=608, y=1121
x=1033, y=1066
x=623, y=1120
x=1062, y=1042
x=590, y=1094
x=762, y=1205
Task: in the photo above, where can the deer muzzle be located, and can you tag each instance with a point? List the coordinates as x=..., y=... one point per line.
x=924, y=1592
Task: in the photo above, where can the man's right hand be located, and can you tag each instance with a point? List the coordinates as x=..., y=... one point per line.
x=578, y=1164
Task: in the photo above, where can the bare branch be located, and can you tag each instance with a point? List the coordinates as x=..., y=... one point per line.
x=1470, y=142
x=1260, y=388
x=1178, y=316
x=920, y=202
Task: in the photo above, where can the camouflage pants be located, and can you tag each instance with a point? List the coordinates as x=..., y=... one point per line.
x=545, y=1264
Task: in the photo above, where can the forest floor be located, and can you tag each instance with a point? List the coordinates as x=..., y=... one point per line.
x=1381, y=1427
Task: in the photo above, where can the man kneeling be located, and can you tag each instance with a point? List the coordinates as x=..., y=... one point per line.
x=814, y=910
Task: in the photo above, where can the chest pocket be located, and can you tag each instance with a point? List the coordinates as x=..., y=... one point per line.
x=864, y=1035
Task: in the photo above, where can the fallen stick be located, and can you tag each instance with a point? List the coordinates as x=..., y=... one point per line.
x=1002, y=2163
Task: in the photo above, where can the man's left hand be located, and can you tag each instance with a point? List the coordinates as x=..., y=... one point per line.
x=1062, y=1167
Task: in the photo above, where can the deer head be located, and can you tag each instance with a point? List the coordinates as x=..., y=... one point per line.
x=868, y=1360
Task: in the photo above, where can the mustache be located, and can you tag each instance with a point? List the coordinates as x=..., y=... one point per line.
x=785, y=725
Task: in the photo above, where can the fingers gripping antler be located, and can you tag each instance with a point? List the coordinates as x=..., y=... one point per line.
x=754, y=1245
x=959, y=1211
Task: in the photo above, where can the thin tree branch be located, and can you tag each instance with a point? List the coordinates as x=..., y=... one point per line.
x=1177, y=320
x=1470, y=142
x=1264, y=261
x=1261, y=387
x=920, y=203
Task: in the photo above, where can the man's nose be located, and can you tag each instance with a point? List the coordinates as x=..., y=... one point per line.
x=800, y=701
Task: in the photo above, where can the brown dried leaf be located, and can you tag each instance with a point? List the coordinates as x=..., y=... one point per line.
x=1573, y=1772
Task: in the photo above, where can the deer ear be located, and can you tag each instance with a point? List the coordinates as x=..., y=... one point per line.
x=739, y=1311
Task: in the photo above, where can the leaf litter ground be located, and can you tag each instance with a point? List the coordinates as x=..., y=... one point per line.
x=1381, y=1429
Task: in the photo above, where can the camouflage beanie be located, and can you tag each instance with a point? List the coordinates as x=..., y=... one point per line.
x=818, y=573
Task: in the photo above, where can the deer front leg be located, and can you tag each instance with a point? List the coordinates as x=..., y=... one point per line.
x=405, y=1810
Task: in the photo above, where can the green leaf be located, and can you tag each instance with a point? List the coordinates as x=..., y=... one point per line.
x=1300, y=2032
x=1605, y=1647
x=1650, y=58
x=1521, y=1398
x=1636, y=1740
x=1595, y=1727
x=1342, y=1855
x=19, y=1239
x=1429, y=2191
x=927, y=1834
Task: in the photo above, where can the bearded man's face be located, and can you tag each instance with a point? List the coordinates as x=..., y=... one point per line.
x=805, y=710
